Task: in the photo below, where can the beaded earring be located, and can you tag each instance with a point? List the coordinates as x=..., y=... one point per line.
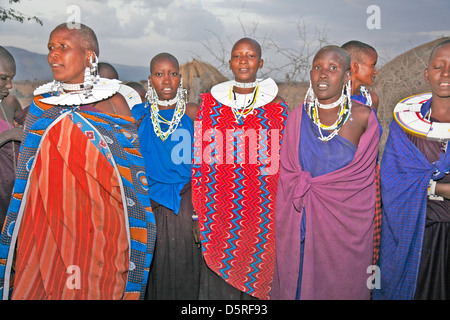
x=151, y=96
x=181, y=92
x=56, y=88
x=348, y=89
x=310, y=97
x=365, y=93
x=90, y=75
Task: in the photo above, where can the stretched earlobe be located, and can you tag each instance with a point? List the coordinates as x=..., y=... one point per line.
x=348, y=76
x=427, y=79
x=354, y=67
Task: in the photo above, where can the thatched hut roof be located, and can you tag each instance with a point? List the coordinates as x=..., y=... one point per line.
x=401, y=77
x=199, y=77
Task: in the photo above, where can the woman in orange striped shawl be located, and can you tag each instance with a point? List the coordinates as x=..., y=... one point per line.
x=79, y=225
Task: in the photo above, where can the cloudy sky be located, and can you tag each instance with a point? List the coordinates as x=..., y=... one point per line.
x=132, y=32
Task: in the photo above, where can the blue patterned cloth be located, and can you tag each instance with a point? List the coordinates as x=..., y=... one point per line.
x=121, y=135
x=405, y=175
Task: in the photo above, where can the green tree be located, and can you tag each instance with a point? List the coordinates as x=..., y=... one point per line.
x=11, y=14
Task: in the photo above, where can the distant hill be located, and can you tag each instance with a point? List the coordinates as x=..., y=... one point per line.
x=30, y=66
x=34, y=67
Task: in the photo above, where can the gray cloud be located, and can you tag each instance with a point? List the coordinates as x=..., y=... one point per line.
x=187, y=23
x=133, y=31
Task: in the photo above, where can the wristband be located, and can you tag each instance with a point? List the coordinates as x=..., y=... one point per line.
x=431, y=192
x=431, y=188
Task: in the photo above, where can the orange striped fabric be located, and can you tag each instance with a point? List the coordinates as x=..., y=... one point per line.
x=76, y=245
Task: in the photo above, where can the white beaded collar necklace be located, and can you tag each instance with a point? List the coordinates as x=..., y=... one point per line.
x=103, y=89
x=73, y=86
x=267, y=91
x=166, y=103
x=338, y=102
x=245, y=84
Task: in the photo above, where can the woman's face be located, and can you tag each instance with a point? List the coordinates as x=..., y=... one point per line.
x=7, y=73
x=165, y=78
x=367, y=69
x=328, y=76
x=245, y=61
x=437, y=74
x=66, y=56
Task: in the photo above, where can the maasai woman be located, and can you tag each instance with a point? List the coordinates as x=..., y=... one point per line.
x=235, y=172
x=10, y=136
x=80, y=224
x=363, y=72
x=166, y=133
x=326, y=194
x=415, y=253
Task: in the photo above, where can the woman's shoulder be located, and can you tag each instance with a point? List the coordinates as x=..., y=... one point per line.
x=192, y=110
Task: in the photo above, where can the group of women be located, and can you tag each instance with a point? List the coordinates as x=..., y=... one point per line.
x=122, y=198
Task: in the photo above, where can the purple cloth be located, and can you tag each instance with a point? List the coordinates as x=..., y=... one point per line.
x=339, y=208
x=4, y=126
x=7, y=175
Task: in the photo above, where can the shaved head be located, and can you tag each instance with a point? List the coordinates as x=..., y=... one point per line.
x=163, y=56
x=254, y=43
x=440, y=45
x=87, y=36
x=358, y=50
x=107, y=70
x=345, y=58
x=7, y=58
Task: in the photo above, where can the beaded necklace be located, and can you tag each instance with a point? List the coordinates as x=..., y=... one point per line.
x=242, y=111
x=178, y=113
x=245, y=84
x=344, y=113
x=365, y=93
x=73, y=86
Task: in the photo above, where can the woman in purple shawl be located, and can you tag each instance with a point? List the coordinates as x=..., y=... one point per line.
x=326, y=193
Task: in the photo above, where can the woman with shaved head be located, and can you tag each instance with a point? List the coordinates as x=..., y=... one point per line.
x=326, y=194
x=415, y=188
x=166, y=124
x=80, y=224
x=238, y=133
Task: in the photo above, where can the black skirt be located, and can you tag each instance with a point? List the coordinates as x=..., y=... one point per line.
x=175, y=269
x=433, y=282
x=213, y=287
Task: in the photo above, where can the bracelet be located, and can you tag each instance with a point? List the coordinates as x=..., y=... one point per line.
x=431, y=188
x=194, y=217
x=431, y=192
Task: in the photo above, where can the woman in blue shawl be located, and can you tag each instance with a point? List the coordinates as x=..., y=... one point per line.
x=166, y=124
x=415, y=230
